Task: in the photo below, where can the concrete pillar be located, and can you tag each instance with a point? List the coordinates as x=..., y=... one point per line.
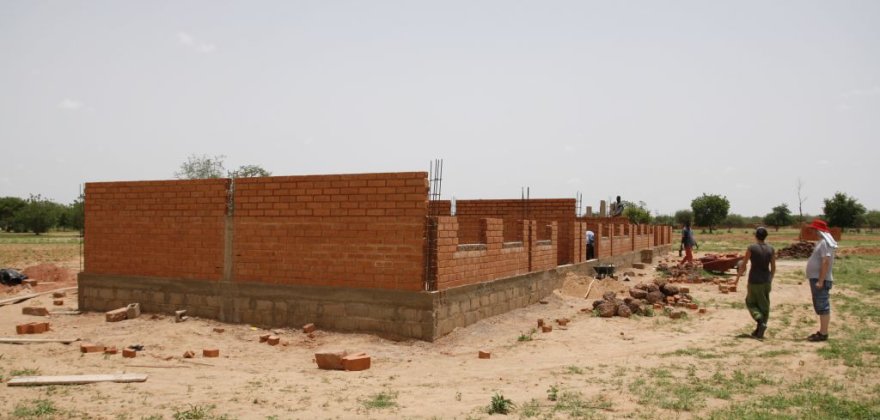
x=602, y=208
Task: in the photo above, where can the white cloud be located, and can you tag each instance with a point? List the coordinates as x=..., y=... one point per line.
x=824, y=162
x=569, y=148
x=309, y=141
x=70, y=104
x=191, y=42
x=743, y=186
x=871, y=91
x=573, y=181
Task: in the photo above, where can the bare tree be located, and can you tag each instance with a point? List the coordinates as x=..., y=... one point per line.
x=801, y=200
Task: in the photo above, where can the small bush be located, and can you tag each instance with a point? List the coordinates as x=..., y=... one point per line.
x=500, y=405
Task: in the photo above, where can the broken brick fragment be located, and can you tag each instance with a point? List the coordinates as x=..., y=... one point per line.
x=273, y=340
x=330, y=359
x=189, y=354
x=546, y=328
x=356, y=362
x=129, y=352
x=219, y=330
x=484, y=355
x=35, y=311
x=57, y=295
x=116, y=315
x=308, y=328
x=265, y=337
x=110, y=350
x=211, y=352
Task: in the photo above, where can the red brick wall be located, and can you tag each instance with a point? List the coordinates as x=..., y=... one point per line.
x=440, y=208
x=340, y=230
x=461, y=267
x=155, y=228
x=544, y=211
x=544, y=257
x=809, y=234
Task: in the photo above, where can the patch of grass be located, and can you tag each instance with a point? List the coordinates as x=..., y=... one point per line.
x=199, y=412
x=574, y=370
x=812, y=404
x=530, y=409
x=776, y=353
x=855, y=347
x=500, y=405
x=35, y=409
x=552, y=393
x=381, y=400
x=693, y=352
x=24, y=372
x=573, y=404
x=855, y=270
x=687, y=392
x=526, y=337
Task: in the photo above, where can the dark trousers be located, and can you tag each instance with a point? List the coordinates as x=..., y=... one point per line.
x=590, y=252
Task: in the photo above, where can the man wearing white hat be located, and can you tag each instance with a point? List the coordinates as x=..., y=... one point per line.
x=819, y=267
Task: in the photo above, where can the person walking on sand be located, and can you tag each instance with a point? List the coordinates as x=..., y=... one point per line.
x=763, y=259
x=688, y=243
x=819, y=268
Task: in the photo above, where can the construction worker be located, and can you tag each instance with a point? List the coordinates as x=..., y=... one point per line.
x=763, y=259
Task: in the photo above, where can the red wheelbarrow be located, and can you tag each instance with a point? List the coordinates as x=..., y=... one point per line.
x=720, y=263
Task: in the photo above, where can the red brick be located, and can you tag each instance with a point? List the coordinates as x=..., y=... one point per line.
x=330, y=359
x=211, y=352
x=129, y=353
x=563, y=321
x=540, y=322
x=189, y=354
x=58, y=295
x=35, y=310
x=308, y=328
x=265, y=337
x=110, y=350
x=219, y=330
x=484, y=354
x=273, y=340
x=86, y=347
x=58, y=302
x=546, y=328
x=356, y=362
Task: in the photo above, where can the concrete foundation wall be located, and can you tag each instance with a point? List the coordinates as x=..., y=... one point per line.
x=394, y=313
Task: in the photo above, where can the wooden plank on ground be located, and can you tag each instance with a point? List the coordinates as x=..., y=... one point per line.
x=76, y=379
x=19, y=299
x=16, y=340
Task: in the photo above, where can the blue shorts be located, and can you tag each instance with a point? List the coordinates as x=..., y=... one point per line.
x=820, y=297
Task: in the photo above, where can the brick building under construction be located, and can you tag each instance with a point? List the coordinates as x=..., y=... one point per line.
x=361, y=252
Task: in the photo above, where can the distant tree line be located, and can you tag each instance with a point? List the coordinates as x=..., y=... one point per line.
x=38, y=214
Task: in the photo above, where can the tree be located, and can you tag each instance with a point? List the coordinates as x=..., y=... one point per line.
x=249, y=171
x=636, y=213
x=801, y=200
x=664, y=219
x=205, y=167
x=8, y=207
x=733, y=221
x=72, y=216
x=38, y=215
x=780, y=216
x=201, y=167
x=709, y=210
x=683, y=217
x=843, y=211
x=872, y=219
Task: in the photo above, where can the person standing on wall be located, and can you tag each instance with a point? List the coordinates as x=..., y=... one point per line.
x=688, y=243
x=763, y=259
x=819, y=268
x=591, y=245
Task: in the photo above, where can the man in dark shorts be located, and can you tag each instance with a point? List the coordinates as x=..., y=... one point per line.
x=763, y=259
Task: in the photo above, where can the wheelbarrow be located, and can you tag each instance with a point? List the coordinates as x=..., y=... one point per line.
x=604, y=270
x=720, y=263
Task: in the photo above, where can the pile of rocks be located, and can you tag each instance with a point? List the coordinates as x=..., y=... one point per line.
x=802, y=249
x=644, y=299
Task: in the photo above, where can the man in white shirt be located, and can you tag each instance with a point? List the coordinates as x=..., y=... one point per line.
x=818, y=273
x=591, y=245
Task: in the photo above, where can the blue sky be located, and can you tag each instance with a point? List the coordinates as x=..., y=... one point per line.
x=655, y=101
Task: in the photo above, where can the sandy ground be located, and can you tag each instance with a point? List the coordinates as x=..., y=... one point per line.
x=599, y=358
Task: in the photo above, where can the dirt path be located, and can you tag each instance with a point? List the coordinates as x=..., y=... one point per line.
x=605, y=361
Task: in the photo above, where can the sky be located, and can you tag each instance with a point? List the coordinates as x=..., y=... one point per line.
x=656, y=101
